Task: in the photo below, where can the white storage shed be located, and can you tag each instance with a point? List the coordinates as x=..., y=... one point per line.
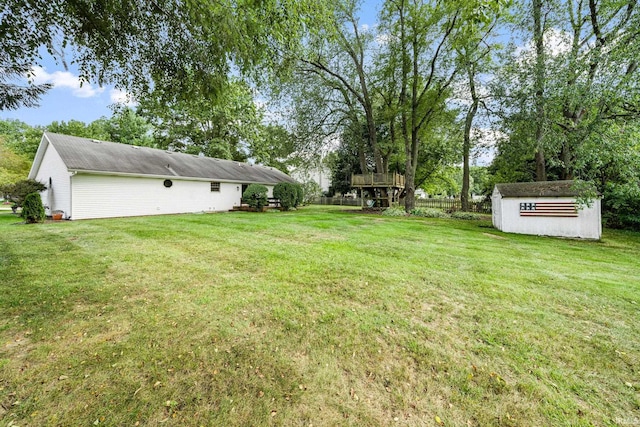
x=546, y=208
x=88, y=178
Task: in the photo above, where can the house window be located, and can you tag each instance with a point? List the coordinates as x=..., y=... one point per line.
x=215, y=186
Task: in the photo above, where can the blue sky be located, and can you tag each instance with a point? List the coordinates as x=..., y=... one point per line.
x=87, y=102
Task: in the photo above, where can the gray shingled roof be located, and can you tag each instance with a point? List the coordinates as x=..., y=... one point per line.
x=82, y=154
x=538, y=189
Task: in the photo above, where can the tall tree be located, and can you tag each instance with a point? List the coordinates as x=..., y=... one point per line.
x=15, y=95
x=592, y=48
x=93, y=130
x=337, y=60
x=423, y=36
x=127, y=126
x=188, y=46
x=13, y=166
x=538, y=85
x=226, y=126
x=474, y=57
x=21, y=138
x=275, y=147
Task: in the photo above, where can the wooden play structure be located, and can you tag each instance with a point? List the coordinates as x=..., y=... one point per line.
x=383, y=189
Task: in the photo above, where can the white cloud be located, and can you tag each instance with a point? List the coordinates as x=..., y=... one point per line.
x=556, y=42
x=121, y=97
x=65, y=79
x=382, y=39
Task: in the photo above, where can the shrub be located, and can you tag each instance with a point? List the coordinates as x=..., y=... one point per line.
x=287, y=193
x=466, y=215
x=32, y=208
x=256, y=196
x=299, y=194
x=312, y=191
x=18, y=191
x=621, y=206
x=394, y=211
x=429, y=213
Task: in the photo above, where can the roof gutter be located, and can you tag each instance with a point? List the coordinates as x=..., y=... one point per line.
x=183, y=178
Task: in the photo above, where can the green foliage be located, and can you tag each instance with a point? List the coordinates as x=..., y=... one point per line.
x=480, y=180
x=21, y=138
x=128, y=127
x=429, y=213
x=621, y=205
x=445, y=181
x=32, y=209
x=183, y=47
x=287, y=193
x=466, y=215
x=586, y=191
x=13, y=166
x=93, y=130
x=274, y=147
x=12, y=95
x=343, y=163
x=394, y=211
x=17, y=192
x=311, y=191
x=255, y=196
x=299, y=194
x=225, y=126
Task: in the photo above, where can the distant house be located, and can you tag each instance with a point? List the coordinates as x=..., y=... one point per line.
x=544, y=208
x=98, y=179
x=319, y=174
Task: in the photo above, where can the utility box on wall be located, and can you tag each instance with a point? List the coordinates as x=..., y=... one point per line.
x=546, y=208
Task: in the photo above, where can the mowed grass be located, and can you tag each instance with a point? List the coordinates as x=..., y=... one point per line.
x=317, y=317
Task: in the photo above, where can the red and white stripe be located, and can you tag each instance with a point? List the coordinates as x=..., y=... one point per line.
x=566, y=209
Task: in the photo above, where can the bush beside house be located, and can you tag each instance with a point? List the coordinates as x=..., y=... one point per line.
x=32, y=209
x=255, y=196
x=287, y=194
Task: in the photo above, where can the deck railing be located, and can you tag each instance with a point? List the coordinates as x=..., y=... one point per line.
x=394, y=180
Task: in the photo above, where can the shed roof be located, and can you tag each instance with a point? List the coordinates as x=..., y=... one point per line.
x=539, y=189
x=82, y=154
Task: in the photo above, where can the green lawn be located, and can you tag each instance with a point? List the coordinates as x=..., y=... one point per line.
x=317, y=317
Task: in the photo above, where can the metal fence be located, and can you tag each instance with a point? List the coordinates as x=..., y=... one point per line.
x=444, y=204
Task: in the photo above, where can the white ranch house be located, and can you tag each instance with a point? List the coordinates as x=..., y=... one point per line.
x=87, y=178
x=544, y=208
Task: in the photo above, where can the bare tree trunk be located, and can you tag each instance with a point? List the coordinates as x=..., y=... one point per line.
x=466, y=145
x=409, y=187
x=538, y=37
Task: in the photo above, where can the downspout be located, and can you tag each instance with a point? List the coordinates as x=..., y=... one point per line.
x=71, y=175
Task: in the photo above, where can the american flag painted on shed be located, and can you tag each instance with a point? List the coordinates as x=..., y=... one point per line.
x=567, y=209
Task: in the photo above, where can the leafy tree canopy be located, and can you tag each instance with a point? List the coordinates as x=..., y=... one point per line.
x=186, y=47
x=13, y=166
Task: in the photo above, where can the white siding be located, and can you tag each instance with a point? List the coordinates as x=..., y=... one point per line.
x=496, y=209
x=105, y=196
x=321, y=175
x=586, y=225
x=54, y=174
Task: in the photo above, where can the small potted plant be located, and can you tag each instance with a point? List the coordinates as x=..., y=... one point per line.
x=57, y=215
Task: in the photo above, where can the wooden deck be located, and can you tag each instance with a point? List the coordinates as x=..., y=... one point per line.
x=383, y=189
x=378, y=180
